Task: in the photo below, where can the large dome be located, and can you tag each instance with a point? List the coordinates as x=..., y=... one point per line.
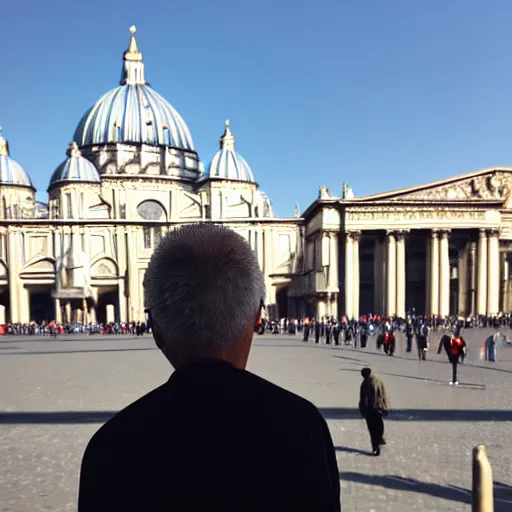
x=11, y=172
x=227, y=164
x=133, y=113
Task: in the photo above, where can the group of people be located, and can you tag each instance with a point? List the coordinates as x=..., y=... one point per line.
x=52, y=328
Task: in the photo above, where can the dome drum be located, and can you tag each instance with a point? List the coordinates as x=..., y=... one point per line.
x=143, y=159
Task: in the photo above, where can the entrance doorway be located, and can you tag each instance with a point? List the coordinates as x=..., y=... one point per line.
x=42, y=306
x=107, y=296
x=282, y=302
x=4, y=303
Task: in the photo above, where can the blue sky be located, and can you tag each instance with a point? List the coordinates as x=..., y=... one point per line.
x=380, y=95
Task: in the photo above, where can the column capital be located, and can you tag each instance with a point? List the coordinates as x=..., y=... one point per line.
x=444, y=233
x=493, y=232
x=353, y=235
x=482, y=233
x=400, y=234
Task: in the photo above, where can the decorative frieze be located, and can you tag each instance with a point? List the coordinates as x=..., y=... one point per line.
x=398, y=214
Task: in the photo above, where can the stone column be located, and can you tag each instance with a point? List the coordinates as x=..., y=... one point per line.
x=428, y=270
x=434, y=273
x=493, y=272
x=349, y=276
x=67, y=312
x=391, y=274
x=110, y=313
x=481, y=301
x=356, y=279
x=333, y=263
x=13, y=246
x=121, y=259
x=505, y=276
x=401, y=278
x=58, y=311
x=462, y=266
x=444, y=274
x=472, y=272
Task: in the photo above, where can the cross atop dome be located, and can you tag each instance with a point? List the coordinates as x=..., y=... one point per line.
x=133, y=68
x=227, y=140
x=133, y=51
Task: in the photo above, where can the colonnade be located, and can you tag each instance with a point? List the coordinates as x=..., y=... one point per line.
x=483, y=275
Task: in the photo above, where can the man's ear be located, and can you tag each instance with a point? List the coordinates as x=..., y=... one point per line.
x=258, y=314
x=156, y=334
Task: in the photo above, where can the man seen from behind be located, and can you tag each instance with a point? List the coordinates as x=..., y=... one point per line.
x=214, y=436
x=373, y=406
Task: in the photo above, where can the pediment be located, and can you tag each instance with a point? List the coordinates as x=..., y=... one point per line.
x=493, y=184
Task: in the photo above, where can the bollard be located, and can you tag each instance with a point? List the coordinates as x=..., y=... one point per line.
x=483, y=500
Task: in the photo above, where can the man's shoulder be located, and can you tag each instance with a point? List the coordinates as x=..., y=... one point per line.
x=278, y=396
x=124, y=421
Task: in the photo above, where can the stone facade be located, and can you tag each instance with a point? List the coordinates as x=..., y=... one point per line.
x=442, y=248
x=132, y=175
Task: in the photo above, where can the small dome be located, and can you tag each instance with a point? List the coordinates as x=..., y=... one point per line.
x=227, y=164
x=11, y=172
x=133, y=112
x=75, y=168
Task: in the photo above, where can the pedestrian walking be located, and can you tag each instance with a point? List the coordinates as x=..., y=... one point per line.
x=454, y=347
x=373, y=406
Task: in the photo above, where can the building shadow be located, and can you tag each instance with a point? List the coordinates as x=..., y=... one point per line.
x=352, y=413
x=55, y=417
x=400, y=483
x=426, y=379
x=502, y=492
x=362, y=361
x=436, y=361
x=348, y=449
x=52, y=352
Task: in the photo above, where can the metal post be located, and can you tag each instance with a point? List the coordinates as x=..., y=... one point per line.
x=482, y=481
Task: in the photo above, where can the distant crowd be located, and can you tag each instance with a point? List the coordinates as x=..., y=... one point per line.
x=324, y=327
x=345, y=328
x=52, y=328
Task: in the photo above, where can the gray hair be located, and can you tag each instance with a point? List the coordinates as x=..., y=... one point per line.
x=203, y=286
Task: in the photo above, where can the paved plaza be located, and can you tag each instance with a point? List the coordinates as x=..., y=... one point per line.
x=56, y=394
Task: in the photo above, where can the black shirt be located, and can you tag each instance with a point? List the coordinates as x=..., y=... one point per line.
x=212, y=438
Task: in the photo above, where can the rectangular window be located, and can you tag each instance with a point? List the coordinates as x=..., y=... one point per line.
x=70, y=206
x=147, y=237
x=157, y=235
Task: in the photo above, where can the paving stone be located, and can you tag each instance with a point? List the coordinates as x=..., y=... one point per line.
x=56, y=393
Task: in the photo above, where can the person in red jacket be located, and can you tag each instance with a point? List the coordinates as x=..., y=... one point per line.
x=454, y=347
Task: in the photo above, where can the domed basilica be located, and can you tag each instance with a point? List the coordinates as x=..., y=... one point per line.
x=132, y=173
